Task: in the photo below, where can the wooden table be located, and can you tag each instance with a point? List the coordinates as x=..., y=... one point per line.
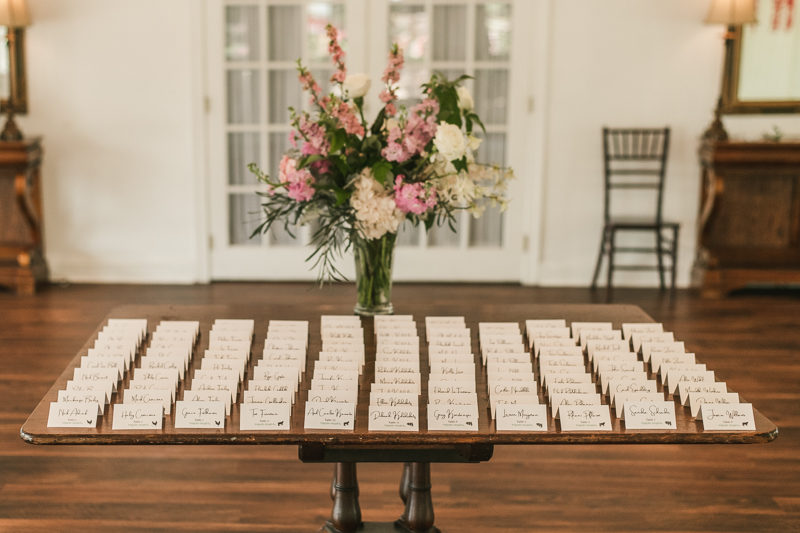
x=346, y=449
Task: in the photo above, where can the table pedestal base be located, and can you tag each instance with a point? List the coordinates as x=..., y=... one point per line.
x=415, y=491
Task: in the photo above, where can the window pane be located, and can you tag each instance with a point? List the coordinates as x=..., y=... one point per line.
x=244, y=215
x=408, y=27
x=278, y=144
x=243, y=149
x=453, y=73
x=320, y=15
x=243, y=102
x=407, y=234
x=411, y=79
x=491, y=88
x=323, y=77
x=486, y=231
x=241, y=33
x=449, y=29
x=443, y=236
x=493, y=32
x=284, y=36
x=284, y=91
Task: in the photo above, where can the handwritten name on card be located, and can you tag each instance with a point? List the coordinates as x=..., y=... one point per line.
x=453, y=418
x=738, y=417
x=195, y=415
x=72, y=415
x=394, y=418
x=453, y=399
x=145, y=416
x=320, y=415
x=696, y=399
x=379, y=399
x=585, y=418
x=160, y=397
x=521, y=417
x=331, y=396
x=265, y=417
x=649, y=415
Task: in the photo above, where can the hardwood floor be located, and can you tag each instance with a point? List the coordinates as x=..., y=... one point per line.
x=751, y=340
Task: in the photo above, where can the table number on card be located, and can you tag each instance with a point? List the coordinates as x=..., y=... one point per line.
x=649, y=415
x=403, y=418
x=265, y=417
x=191, y=415
x=453, y=418
x=320, y=415
x=738, y=417
x=585, y=418
x=72, y=415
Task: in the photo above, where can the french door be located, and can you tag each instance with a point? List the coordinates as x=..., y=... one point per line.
x=252, y=46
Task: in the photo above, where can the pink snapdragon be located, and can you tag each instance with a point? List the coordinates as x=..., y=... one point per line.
x=419, y=129
x=299, y=181
x=411, y=197
x=337, y=55
x=347, y=118
x=390, y=77
x=309, y=83
x=314, y=135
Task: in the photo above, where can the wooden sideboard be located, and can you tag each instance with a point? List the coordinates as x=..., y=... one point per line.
x=749, y=222
x=22, y=261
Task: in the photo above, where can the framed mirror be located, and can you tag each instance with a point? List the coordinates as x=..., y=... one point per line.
x=762, y=63
x=13, y=83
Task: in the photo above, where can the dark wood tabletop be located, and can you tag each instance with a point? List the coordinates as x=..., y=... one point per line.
x=687, y=431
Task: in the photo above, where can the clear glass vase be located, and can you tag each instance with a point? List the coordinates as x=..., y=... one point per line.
x=374, y=260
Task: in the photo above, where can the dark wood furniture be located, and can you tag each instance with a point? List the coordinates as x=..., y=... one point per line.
x=636, y=159
x=749, y=222
x=346, y=449
x=22, y=261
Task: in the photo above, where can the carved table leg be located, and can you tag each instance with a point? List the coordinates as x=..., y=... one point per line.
x=404, y=482
x=346, y=513
x=418, y=516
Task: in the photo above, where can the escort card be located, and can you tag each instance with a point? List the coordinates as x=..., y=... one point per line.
x=331, y=396
x=282, y=345
x=547, y=373
x=274, y=374
x=98, y=398
x=160, y=397
x=72, y=415
x=644, y=397
x=452, y=369
x=331, y=365
x=657, y=359
x=104, y=387
x=520, y=417
x=451, y=387
x=584, y=418
x=447, y=333
x=170, y=376
x=408, y=333
x=319, y=385
x=399, y=379
x=141, y=416
x=645, y=327
x=512, y=399
x=453, y=418
x=230, y=336
x=612, y=357
x=181, y=353
x=380, y=399
x=548, y=323
x=406, y=367
x=571, y=388
x=232, y=354
x=512, y=368
x=405, y=418
x=95, y=355
x=220, y=375
x=577, y=327
x=511, y=387
x=394, y=389
x=649, y=415
x=344, y=357
x=192, y=415
x=686, y=387
x=449, y=350
x=538, y=344
x=509, y=358
x=398, y=341
x=566, y=379
x=444, y=359
x=666, y=368
x=548, y=333
x=439, y=320
x=738, y=417
x=335, y=375
x=268, y=397
x=623, y=385
x=606, y=346
x=164, y=363
x=272, y=386
x=441, y=342
x=382, y=319
x=638, y=338
x=141, y=385
x=411, y=350
x=265, y=417
x=598, y=335
x=560, y=400
x=609, y=377
x=675, y=377
x=125, y=354
x=84, y=375
x=453, y=399
x=320, y=415
x=208, y=396
x=611, y=367
x=696, y=399
x=560, y=351
x=216, y=385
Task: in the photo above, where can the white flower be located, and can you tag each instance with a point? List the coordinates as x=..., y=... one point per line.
x=450, y=141
x=465, y=101
x=391, y=123
x=376, y=212
x=357, y=85
x=473, y=142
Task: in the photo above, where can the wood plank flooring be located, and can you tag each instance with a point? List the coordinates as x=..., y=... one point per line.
x=685, y=489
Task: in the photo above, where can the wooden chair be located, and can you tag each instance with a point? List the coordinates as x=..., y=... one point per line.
x=636, y=159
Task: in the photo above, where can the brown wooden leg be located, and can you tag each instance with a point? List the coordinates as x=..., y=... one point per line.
x=404, y=482
x=418, y=516
x=346, y=513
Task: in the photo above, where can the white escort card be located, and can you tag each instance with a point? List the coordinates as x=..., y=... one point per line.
x=622, y=397
x=399, y=379
x=159, y=397
x=622, y=385
x=333, y=396
x=644, y=327
x=452, y=418
x=108, y=375
x=72, y=415
x=265, y=417
x=394, y=389
x=737, y=417
x=380, y=399
x=339, y=366
x=616, y=377
x=687, y=387
x=451, y=387
x=612, y=357
x=658, y=359
x=193, y=415
x=342, y=385
x=95, y=398
x=576, y=400
x=512, y=399
x=584, y=418
x=140, y=416
x=272, y=386
x=251, y=396
x=675, y=377
x=403, y=418
x=104, y=387
x=598, y=335
x=606, y=346
x=566, y=379
x=453, y=399
x=538, y=344
x=649, y=415
x=520, y=417
x=577, y=327
x=696, y=399
x=320, y=415
x=209, y=396
x=638, y=338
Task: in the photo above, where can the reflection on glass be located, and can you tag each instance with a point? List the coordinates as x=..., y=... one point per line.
x=284, y=91
x=243, y=149
x=443, y=236
x=284, y=36
x=244, y=216
x=408, y=27
x=449, y=28
x=486, y=231
x=493, y=32
x=491, y=88
x=278, y=144
x=243, y=96
x=241, y=33
x=407, y=234
x=320, y=15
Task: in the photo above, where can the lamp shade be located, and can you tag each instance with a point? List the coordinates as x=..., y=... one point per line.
x=730, y=12
x=14, y=13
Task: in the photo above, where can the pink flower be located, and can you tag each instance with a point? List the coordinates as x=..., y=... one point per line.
x=301, y=190
x=419, y=129
x=286, y=168
x=391, y=76
x=293, y=138
x=347, y=119
x=314, y=135
x=410, y=197
x=337, y=54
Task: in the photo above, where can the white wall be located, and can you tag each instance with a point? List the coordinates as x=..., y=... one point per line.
x=110, y=90
x=113, y=89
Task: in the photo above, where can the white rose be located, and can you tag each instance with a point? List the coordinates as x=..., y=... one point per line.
x=450, y=141
x=465, y=101
x=357, y=85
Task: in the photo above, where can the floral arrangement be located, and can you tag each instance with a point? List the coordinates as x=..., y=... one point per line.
x=361, y=181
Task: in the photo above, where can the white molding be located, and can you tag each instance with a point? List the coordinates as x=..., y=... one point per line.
x=82, y=269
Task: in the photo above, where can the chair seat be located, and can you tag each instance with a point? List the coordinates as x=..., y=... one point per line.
x=639, y=223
